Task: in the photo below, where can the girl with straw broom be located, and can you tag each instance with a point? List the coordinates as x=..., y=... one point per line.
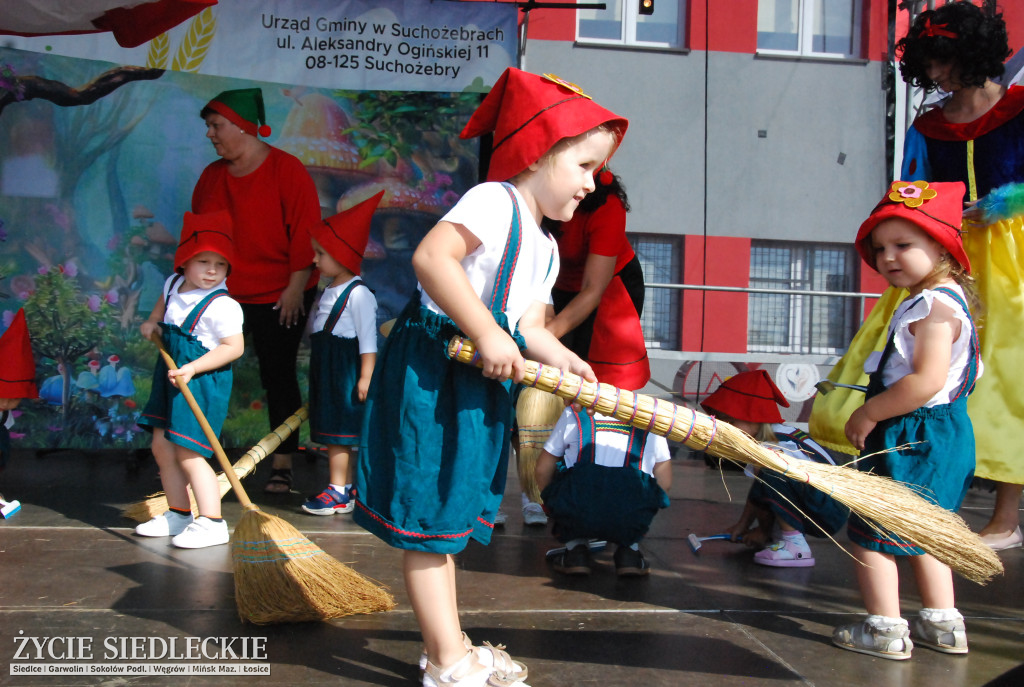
x=343, y=349
x=434, y=451
x=202, y=329
x=914, y=426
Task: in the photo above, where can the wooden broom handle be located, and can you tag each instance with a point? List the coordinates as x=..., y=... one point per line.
x=211, y=436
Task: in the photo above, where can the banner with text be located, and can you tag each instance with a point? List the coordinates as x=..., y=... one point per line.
x=392, y=45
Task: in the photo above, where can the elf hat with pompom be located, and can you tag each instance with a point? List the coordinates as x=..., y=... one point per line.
x=749, y=396
x=242, y=107
x=212, y=231
x=18, y=372
x=344, y=235
x=529, y=114
x=936, y=207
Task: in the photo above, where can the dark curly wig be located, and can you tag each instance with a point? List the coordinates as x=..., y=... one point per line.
x=978, y=50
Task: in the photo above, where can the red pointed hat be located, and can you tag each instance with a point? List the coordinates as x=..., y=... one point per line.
x=749, y=396
x=936, y=207
x=344, y=235
x=211, y=231
x=18, y=369
x=529, y=114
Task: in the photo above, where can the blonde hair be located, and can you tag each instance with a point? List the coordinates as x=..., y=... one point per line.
x=548, y=158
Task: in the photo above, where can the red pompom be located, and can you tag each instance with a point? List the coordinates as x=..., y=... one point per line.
x=264, y=131
x=605, y=177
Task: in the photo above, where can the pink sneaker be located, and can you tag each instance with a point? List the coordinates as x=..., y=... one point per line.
x=786, y=553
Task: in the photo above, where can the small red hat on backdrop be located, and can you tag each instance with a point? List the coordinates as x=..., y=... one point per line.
x=529, y=114
x=749, y=396
x=344, y=235
x=211, y=231
x=936, y=207
x=18, y=370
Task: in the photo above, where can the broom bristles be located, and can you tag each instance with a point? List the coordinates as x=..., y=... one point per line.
x=281, y=576
x=536, y=415
x=155, y=504
x=882, y=502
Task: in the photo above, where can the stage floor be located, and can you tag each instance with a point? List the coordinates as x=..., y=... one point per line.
x=71, y=567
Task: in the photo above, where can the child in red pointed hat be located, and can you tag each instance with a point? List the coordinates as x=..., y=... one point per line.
x=434, y=450
x=913, y=426
x=17, y=377
x=343, y=350
x=201, y=328
x=784, y=510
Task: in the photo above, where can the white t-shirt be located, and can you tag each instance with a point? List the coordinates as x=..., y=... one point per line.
x=610, y=448
x=223, y=318
x=357, y=320
x=900, y=363
x=486, y=211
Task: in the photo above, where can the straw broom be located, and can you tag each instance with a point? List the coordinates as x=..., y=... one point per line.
x=155, y=504
x=881, y=501
x=536, y=415
x=280, y=576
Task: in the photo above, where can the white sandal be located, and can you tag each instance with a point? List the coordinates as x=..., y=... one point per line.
x=469, y=672
x=494, y=656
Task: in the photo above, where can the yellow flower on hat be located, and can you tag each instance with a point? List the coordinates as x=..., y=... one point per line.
x=913, y=194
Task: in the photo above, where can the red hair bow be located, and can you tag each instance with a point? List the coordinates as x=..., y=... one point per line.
x=936, y=30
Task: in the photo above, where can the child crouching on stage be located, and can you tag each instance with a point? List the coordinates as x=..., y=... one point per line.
x=750, y=402
x=343, y=350
x=434, y=451
x=201, y=328
x=913, y=426
x=590, y=462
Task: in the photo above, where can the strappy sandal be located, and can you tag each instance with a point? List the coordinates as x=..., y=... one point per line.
x=279, y=482
x=469, y=671
x=498, y=658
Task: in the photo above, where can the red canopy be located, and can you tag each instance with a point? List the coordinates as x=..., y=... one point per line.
x=132, y=23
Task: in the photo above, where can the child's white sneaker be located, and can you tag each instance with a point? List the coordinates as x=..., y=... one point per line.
x=533, y=514
x=202, y=532
x=167, y=524
x=787, y=552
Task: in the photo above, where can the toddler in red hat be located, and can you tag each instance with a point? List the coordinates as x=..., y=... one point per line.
x=434, y=449
x=343, y=349
x=784, y=510
x=913, y=426
x=201, y=328
x=17, y=381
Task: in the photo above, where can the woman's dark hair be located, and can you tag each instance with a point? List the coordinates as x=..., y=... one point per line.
x=959, y=33
x=594, y=199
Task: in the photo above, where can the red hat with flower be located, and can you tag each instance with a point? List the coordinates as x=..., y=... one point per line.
x=935, y=207
x=344, y=236
x=212, y=231
x=750, y=396
x=529, y=114
x=18, y=373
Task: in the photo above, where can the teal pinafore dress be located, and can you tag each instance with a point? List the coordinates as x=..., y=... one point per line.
x=335, y=411
x=938, y=461
x=433, y=454
x=578, y=498
x=167, y=408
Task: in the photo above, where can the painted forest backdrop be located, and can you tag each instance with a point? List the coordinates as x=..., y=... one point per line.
x=97, y=166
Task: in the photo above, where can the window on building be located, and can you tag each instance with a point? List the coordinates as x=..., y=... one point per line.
x=809, y=27
x=781, y=323
x=660, y=257
x=620, y=23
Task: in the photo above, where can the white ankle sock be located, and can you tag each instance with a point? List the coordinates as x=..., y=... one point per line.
x=881, y=622
x=940, y=615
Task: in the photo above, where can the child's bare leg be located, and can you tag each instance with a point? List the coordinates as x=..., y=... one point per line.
x=430, y=582
x=339, y=462
x=172, y=478
x=203, y=480
x=934, y=581
x=879, y=582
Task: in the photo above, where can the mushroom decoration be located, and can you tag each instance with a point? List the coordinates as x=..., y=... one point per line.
x=314, y=132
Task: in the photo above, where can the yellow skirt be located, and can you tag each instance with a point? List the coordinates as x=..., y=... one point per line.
x=996, y=407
